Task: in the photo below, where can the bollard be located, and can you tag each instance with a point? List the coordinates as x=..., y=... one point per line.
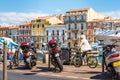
x=5, y=61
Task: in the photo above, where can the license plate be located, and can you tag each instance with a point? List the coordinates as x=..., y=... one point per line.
x=57, y=54
x=117, y=63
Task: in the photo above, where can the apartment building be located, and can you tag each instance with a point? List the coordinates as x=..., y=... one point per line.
x=25, y=32
x=4, y=31
x=75, y=22
x=56, y=32
x=13, y=33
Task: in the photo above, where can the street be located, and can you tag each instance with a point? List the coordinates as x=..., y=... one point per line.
x=41, y=72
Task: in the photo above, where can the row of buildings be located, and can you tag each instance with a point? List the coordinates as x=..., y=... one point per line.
x=65, y=27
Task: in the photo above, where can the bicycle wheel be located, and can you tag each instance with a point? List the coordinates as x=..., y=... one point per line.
x=92, y=61
x=77, y=60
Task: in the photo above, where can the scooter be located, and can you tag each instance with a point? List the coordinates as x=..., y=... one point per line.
x=30, y=59
x=111, y=59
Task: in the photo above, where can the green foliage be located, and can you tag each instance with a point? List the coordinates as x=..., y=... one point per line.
x=47, y=23
x=59, y=23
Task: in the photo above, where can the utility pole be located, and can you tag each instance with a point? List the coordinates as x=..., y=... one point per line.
x=5, y=61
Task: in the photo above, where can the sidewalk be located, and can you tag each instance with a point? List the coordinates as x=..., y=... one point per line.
x=71, y=67
x=66, y=67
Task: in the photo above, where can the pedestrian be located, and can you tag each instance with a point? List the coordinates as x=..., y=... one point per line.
x=1, y=54
x=84, y=46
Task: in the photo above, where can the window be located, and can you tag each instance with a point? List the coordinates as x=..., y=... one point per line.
x=67, y=18
x=53, y=32
x=57, y=32
x=69, y=27
x=82, y=18
x=69, y=35
x=63, y=32
x=33, y=26
x=42, y=25
x=38, y=26
x=75, y=35
x=43, y=39
x=75, y=26
x=82, y=27
x=47, y=32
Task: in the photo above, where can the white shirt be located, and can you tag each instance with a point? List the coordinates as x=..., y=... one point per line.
x=84, y=45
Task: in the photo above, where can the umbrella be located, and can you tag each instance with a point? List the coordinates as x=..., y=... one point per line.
x=10, y=42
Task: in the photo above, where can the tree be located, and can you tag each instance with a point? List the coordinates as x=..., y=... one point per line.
x=47, y=23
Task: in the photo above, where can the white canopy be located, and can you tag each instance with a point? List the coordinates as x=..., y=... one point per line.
x=108, y=35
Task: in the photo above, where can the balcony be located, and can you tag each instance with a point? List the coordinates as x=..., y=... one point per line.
x=75, y=29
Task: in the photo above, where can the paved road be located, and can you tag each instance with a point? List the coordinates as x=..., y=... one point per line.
x=41, y=72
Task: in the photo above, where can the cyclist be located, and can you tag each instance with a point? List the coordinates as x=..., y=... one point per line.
x=84, y=46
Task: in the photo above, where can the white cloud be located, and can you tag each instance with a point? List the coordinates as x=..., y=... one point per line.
x=114, y=14
x=58, y=10
x=15, y=18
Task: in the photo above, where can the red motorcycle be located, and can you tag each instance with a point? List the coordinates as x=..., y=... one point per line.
x=55, y=55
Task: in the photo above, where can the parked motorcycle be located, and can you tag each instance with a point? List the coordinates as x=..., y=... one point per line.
x=55, y=55
x=111, y=59
x=29, y=56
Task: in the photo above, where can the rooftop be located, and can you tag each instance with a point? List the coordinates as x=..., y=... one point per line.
x=82, y=9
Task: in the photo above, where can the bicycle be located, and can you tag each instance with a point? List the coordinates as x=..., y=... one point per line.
x=15, y=60
x=91, y=60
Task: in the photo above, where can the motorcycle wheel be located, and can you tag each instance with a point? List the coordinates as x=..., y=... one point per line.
x=59, y=63
x=29, y=64
x=77, y=60
x=92, y=62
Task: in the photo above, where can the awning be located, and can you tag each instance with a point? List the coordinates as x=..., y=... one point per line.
x=10, y=42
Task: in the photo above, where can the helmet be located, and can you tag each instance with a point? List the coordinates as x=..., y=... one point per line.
x=52, y=43
x=25, y=45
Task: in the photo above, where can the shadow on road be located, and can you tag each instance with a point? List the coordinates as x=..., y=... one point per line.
x=102, y=76
x=88, y=72
x=41, y=69
x=29, y=73
x=97, y=75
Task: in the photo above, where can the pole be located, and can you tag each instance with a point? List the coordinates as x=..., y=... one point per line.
x=5, y=61
x=49, y=60
x=103, y=63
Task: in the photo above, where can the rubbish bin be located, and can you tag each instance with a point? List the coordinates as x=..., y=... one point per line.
x=65, y=55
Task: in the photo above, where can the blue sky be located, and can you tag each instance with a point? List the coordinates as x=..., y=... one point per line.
x=24, y=10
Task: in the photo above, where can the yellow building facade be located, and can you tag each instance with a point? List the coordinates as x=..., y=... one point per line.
x=38, y=32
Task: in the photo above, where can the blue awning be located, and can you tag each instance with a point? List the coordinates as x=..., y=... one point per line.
x=10, y=42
